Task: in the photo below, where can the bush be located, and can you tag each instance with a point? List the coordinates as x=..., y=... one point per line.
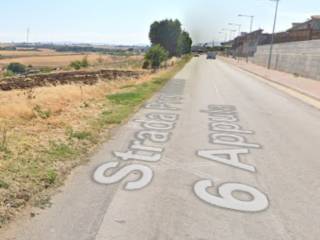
x=80, y=64
x=156, y=55
x=146, y=64
x=85, y=62
x=76, y=64
x=8, y=73
x=16, y=68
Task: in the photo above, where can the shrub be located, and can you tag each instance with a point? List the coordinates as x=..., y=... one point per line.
x=76, y=64
x=51, y=176
x=80, y=64
x=146, y=64
x=16, y=68
x=85, y=62
x=8, y=73
x=156, y=55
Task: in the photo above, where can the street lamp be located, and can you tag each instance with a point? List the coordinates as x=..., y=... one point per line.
x=251, y=19
x=237, y=25
x=273, y=30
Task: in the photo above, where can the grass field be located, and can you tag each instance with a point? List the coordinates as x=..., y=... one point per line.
x=26, y=53
x=45, y=132
x=52, y=59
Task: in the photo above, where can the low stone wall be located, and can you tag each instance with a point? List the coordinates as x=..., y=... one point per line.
x=302, y=58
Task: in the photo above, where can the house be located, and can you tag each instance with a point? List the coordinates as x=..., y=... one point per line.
x=246, y=44
x=308, y=30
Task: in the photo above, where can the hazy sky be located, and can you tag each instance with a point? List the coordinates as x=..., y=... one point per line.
x=127, y=22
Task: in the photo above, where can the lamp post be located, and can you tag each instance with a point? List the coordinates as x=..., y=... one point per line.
x=273, y=30
x=237, y=25
x=251, y=19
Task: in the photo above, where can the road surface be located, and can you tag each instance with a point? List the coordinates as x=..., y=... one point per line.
x=217, y=154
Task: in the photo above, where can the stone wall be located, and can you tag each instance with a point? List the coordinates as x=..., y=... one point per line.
x=302, y=58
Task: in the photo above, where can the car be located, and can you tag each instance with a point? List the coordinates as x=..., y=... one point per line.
x=211, y=55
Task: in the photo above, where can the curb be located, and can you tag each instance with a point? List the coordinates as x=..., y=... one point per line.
x=275, y=82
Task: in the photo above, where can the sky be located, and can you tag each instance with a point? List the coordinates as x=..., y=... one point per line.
x=127, y=22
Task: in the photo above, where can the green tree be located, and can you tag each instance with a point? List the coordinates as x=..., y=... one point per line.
x=156, y=55
x=166, y=33
x=16, y=68
x=184, y=43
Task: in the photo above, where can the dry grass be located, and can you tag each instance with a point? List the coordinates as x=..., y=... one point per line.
x=46, y=131
x=53, y=60
x=45, y=136
x=21, y=52
x=19, y=104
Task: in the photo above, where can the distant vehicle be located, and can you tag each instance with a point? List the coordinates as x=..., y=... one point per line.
x=211, y=55
x=196, y=55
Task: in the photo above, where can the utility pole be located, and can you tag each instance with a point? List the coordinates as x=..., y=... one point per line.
x=251, y=20
x=273, y=30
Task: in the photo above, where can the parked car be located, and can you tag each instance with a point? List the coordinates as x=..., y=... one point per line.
x=211, y=55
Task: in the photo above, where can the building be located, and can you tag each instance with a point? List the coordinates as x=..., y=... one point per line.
x=246, y=44
x=309, y=30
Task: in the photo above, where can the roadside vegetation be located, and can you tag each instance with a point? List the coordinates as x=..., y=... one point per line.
x=47, y=131
x=49, y=125
x=168, y=40
x=155, y=56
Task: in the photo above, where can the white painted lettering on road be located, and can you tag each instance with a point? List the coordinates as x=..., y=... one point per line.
x=257, y=203
x=225, y=132
x=144, y=180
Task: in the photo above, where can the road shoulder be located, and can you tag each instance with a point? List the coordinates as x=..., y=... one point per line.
x=304, y=89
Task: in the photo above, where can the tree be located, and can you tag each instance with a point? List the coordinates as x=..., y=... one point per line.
x=184, y=43
x=156, y=55
x=16, y=68
x=166, y=33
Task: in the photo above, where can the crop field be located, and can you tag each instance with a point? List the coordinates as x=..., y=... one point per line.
x=26, y=53
x=52, y=59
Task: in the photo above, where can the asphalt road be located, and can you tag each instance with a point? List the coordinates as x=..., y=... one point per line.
x=217, y=154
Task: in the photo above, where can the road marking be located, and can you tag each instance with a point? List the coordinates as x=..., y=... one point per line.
x=257, y=203
x=220, y=117
x=147, y=145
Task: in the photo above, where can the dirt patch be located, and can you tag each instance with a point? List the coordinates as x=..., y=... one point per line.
x=63, y=78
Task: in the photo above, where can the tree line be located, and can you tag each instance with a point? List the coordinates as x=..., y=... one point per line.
x=168, y=40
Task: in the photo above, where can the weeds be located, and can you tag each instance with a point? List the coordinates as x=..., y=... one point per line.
x=44, y=114
x=3, y=140
x=127, y=86
x=35, y=165
x=59, y=150
x=127, y=98
x=80, y=135
x=3, y=184
x=51, y=176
